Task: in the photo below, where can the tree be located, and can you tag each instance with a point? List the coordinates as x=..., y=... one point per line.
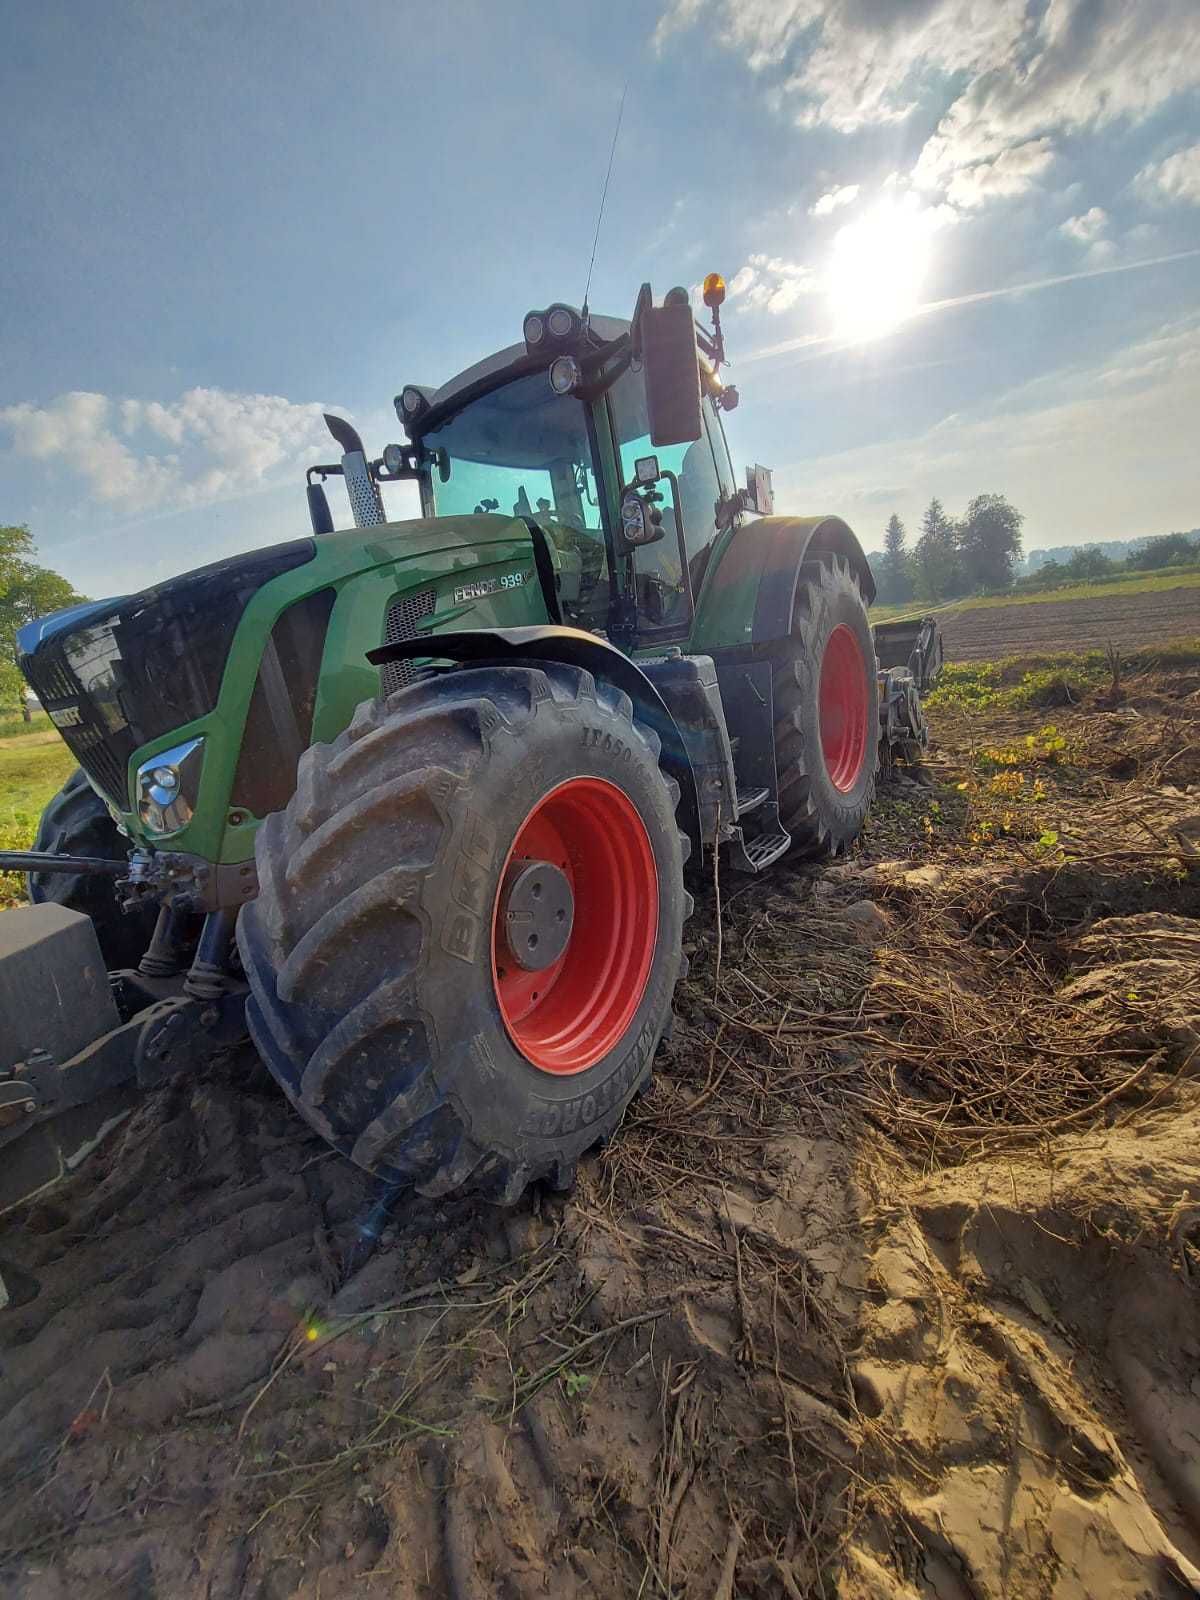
x=895, y=569
x=1090, y=562
x=26, y=591
x=1168, y=550
x=989, y=542
x=935, y=558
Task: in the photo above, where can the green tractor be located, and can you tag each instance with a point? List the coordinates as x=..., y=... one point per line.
x=412, y=802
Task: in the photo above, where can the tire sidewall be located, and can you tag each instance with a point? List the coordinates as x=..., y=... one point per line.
x=835, y=605
x=496, y=1091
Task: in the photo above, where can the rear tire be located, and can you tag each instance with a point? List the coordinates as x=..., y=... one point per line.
x=375, y=1001
x=77, y=823
x=826, y=712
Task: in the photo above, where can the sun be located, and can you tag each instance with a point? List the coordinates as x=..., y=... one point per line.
x=878, y=269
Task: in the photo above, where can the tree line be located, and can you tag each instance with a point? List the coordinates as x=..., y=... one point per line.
x=978, y=553
x=953, y=555
x=1167, y=550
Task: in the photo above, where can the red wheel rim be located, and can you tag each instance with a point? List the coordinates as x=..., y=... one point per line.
x=844, y=702
x=566, y=1017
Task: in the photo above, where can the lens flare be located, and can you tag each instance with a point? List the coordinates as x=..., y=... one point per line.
x=878, y=269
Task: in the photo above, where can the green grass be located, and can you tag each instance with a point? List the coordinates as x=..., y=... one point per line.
x=1131, y=583
x=33, y=768
x=14, y=726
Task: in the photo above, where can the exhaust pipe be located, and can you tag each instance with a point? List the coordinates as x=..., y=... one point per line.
x=365, y=500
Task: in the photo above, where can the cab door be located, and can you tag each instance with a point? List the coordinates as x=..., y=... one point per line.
x=665, y=577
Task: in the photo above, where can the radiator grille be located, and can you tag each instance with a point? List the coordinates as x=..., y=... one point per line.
x=88, y=740
x=403, y=616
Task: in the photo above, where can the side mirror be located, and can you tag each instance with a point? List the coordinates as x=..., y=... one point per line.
x=667, y=336
x=759, y=495
x=319, y=513
x=639, y=527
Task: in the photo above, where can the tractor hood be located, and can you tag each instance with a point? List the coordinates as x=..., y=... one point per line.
x=117, y=675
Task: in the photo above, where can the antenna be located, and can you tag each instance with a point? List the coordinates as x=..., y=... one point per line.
x=603, y=197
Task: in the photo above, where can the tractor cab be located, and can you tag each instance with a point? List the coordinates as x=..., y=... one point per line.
x=585, y=432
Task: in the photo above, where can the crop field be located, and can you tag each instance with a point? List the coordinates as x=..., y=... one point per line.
x=885, y=1289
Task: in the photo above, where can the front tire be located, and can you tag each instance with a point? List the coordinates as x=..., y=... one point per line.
x=383, y=994
x=76, y=823
x=826, y=712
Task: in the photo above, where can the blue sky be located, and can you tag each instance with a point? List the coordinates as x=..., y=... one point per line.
x=219, y=219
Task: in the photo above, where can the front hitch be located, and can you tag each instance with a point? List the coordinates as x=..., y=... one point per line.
x=48, y=861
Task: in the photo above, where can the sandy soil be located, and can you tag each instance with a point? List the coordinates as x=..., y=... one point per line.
x=886, y=1289
x=987, y=633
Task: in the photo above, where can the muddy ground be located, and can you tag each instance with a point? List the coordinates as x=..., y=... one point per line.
x=887, y=1288
x=985, y=633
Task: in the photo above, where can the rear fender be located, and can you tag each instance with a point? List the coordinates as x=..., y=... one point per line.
x=750, y=588
x=574, y=648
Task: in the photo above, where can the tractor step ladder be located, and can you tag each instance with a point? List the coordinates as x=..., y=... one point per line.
x=759, y=853
x=749, y=800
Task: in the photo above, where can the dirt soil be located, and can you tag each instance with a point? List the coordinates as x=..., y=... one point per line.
x=886, y=1289
x=986, y=633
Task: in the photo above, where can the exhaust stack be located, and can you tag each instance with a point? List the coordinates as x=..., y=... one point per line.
x=365, y=500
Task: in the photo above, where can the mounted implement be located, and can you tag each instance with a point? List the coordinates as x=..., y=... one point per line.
x=412, y=802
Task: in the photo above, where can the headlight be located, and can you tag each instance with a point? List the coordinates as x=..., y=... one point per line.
x=560, y=322
x=412, y=400
x=534, y=329
x=167, y=787
x=565, y=375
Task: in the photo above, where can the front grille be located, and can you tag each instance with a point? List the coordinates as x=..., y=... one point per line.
x=88, y=740
x=403, y=615
x=55, y=683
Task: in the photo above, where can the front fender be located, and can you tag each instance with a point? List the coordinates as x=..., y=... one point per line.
x=574, y=648
x=750, y=587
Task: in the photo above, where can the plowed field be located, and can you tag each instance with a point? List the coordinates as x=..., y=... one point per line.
x=987, y=633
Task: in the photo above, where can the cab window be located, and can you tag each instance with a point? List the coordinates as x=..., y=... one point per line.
x=658, y=574
x=523, y=451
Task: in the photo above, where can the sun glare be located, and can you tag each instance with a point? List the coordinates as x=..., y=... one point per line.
x=877, y=271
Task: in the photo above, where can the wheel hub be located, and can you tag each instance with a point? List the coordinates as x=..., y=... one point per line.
x=566, y=1016
x=537, y=913
x=843, y=702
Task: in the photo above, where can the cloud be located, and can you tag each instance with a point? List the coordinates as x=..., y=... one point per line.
x=1011, y=173
x=768, y=283
x=835, y=198
x=1176, y=178
x=849, y=63
x=1086, y=228
x=1020, y=74
x=139, y=455
x=1076, y=64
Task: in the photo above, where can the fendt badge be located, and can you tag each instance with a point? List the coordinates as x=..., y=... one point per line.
x=66, y=717
x=486, y=586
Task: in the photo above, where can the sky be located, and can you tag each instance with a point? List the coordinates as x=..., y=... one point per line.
x=961, y=237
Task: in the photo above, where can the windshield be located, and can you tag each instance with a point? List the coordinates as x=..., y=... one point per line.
x=524, y=451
